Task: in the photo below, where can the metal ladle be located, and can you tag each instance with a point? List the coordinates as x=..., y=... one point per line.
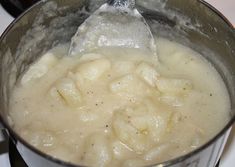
x=116, y=23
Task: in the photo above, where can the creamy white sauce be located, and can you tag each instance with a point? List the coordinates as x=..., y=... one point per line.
x=120, y=107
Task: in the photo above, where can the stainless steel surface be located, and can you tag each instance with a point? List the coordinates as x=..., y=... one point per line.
x=115, y=24
x=126, y=3
x=206, y=32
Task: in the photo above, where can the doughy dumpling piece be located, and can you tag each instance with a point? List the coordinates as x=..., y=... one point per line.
x=55, y=94
x=139, y=127
x=147, y=73
x=69, y=92
x=97, y=151
x=171, y=100
x=159, y=115
x=91, y=56
x=92, y=70
x=129, y=86
x=156, y=152
x=120, y=150
x=172, y=85
x=133, y=137
x=123, y=67
x=87, y=116
x=40, y=68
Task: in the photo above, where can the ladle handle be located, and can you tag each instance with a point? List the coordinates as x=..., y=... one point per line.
x=122, y=3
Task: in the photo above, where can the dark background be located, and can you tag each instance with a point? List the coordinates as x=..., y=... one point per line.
x=16, y=7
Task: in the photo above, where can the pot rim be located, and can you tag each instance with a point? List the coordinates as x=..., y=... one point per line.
x=17, y=137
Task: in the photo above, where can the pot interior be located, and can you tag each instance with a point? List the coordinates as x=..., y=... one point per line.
x=51, y=22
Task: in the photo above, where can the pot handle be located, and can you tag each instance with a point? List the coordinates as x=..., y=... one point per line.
x=2, y=132
x=5, y=135
x=3, y=139
x=1, y=126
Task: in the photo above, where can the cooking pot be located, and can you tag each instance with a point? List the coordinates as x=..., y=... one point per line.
x=193, y=23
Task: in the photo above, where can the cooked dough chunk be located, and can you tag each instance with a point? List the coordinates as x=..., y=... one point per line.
x=138, y=127
x=97, y=151
x=173, y=85
x=67, y=89
x=94, y=69
x=40, y=68
x=147, y=73
x=129, y=86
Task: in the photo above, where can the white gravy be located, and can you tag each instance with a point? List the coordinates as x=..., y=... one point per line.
x=120, y=107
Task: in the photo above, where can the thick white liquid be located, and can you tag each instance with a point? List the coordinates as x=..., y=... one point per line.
x=120, y=107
